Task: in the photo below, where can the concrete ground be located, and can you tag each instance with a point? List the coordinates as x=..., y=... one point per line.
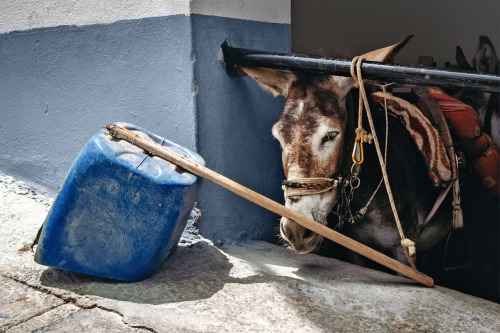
x=245, y=287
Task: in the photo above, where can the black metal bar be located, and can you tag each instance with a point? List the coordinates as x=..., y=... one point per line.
x=235, y=57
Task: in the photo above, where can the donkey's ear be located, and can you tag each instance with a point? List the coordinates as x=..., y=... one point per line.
x=274, y=80
x=485, y=59
x=462, y=60
x=387, y=54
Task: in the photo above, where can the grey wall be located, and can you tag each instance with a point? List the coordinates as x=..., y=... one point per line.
x=59, y=85
x=235, y=117
x=358, y=26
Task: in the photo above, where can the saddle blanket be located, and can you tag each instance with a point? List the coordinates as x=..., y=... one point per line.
x=423, y=133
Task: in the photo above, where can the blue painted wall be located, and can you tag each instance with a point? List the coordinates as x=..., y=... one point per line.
x=235, y=117
x=59, y=86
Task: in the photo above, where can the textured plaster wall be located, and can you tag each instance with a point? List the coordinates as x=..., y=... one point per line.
x=59, y=85
x=235, y=117
x=31, y=14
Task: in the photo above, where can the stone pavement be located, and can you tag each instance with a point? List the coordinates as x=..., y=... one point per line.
x=246, y=287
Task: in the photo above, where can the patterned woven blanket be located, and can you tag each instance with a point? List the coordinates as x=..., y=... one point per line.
x=423, y=133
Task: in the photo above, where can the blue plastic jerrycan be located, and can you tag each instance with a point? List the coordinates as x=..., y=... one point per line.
x=120, y=211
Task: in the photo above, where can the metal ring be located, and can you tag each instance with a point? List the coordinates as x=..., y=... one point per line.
x=355, y=180
x=355, y=169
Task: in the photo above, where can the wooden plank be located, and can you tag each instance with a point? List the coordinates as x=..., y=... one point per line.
x=267, y=203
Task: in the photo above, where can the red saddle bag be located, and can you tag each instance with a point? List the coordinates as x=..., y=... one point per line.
x=465, y=126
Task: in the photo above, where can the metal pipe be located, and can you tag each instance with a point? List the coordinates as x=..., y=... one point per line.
x=235, y=57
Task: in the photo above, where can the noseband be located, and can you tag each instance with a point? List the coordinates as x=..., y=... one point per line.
x=308, y=186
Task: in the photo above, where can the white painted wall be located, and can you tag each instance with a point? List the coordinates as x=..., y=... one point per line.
x=31, y=14
x=16, y=15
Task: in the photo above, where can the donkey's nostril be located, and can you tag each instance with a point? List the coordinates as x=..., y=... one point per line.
x=308, y=234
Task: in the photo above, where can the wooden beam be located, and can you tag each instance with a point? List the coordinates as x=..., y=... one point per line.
x=244, y=192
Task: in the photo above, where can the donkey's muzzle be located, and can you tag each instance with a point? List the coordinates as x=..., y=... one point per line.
x=302, y=240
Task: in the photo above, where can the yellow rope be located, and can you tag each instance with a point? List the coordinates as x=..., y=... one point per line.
x=360, y=131
x=408, y=245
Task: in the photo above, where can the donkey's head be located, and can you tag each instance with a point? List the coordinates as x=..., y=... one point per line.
x=311, y=132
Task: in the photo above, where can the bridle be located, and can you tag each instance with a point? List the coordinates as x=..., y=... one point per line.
x=346, y=181
x=309, y=186
x=346, y=184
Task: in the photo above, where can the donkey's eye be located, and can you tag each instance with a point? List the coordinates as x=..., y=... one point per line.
x=330, y=136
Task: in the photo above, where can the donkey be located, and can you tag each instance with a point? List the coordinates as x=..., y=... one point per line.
x=315, y=132
x=486, y=104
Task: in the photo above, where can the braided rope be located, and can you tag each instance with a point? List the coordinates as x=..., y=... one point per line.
x=363, y=210
x=307, y=186
x=408, y=245
x=361, y=133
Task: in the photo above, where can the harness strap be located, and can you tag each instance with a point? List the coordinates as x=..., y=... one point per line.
x=437, y=204
x=458, y=219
